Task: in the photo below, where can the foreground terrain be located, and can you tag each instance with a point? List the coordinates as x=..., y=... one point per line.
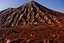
x=32, y=34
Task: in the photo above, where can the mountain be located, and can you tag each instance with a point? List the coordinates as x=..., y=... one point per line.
x=31, y=13
x=31, y=23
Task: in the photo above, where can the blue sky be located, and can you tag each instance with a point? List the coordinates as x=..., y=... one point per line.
x=57, y=5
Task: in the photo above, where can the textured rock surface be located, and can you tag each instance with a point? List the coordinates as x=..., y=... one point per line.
x=31, y=23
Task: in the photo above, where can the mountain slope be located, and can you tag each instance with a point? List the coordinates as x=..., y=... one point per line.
x=31, y=13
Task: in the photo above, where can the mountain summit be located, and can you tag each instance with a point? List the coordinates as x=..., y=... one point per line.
x=30, y=13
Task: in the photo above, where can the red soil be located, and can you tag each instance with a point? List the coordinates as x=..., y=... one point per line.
x=33, y=34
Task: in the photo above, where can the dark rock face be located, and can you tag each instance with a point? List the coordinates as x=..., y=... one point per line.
x=30, y=13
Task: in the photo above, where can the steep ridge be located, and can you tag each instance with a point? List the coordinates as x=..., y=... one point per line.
x=31, y=13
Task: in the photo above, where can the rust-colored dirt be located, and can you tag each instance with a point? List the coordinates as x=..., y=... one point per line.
x=32, y=34
x=31, y=23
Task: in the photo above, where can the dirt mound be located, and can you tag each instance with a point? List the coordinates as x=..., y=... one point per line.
x=31, y=13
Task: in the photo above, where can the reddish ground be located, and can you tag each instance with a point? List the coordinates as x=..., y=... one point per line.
x=32, y=34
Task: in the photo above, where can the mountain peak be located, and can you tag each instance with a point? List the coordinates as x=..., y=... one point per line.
x=31, y=13
x=31, y=0
x=31, y=23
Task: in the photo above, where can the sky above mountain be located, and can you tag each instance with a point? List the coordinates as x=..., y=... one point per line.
x=57, y=5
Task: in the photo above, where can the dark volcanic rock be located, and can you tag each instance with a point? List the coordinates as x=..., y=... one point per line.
x=30, y=13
